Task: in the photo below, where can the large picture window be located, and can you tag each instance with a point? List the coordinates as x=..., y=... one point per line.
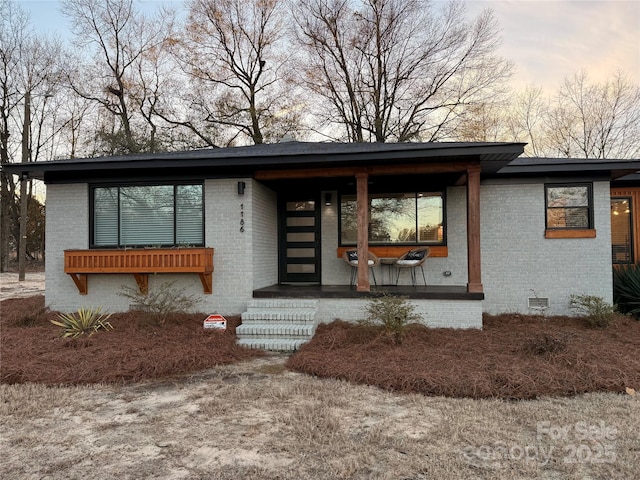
x=396, y=219
x=147, y=215
x=569, y=206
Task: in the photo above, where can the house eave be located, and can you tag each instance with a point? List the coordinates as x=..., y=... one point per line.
x=292, y=155
x=527, y=167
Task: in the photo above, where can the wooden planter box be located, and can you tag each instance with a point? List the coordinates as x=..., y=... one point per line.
x=140, y=262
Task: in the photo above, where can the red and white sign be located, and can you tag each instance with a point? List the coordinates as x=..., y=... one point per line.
x=215, y=321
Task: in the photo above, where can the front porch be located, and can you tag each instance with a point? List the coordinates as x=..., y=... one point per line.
x=284, y=317
x=439, y=306
x=419, y=292
x=384, y=210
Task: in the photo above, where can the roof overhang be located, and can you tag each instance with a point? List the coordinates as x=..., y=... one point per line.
x=613, y=169
x=244, y=161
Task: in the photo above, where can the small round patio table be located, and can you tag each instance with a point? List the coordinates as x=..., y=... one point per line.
x=389, y=262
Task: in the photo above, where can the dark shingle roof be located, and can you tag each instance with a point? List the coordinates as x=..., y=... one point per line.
x=242, y=160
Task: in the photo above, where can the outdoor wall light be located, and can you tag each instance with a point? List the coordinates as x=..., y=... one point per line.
x=327, y=199
x=241, y=186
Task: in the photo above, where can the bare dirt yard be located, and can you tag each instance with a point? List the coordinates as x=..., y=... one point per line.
x=10, y=287
x=175, y=402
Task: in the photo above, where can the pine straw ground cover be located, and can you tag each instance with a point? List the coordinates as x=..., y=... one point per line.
x=513, y=357
x=31, y=349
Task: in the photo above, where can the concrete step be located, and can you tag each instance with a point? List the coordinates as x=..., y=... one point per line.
x=285, y=315
x=282, y=303
x=274, y=345
x=276, y=330
x=278, y=324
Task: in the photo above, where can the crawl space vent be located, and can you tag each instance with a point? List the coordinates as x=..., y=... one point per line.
x=539, y=303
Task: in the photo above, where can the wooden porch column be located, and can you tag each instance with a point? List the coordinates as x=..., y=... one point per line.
x=473, y=229
x=362, y=213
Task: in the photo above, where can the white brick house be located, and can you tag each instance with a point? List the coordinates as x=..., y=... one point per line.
x=506, y=234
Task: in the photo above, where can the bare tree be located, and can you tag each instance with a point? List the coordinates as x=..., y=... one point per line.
x=397, y=70
x=233, y=53
x=77, y=114
x=121, y=38
x=526, y=120
x=29, y=76
x=481, y=122
x=595, y=120
x=13, y=30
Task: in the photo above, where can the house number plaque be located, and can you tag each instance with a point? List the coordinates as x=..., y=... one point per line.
x=242, y=217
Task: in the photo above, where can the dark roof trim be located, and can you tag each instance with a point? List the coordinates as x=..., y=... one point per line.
x=536, y=166
x=492, y=157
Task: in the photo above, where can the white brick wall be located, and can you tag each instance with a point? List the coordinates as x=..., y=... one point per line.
x=334, y=270
x=233, y=258
x=265, y=235
x=434, y=313
x=518, y=262
x=456, y=261
x=68, y=227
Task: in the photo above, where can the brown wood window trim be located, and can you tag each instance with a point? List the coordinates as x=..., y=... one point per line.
x=139, y=262
x=574, y=233
x=396, y=251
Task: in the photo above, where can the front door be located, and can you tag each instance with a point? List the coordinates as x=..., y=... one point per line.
x=299, y=239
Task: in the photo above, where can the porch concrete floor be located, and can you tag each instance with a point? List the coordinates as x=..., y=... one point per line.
x=429, y=292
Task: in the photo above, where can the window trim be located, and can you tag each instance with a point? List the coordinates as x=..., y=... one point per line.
x=632, y=240
x=118, y=185
x=570, y=232
x=397, y=244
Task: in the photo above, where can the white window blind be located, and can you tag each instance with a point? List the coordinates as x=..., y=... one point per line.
x=105, y=217
x=148, y=215
x=189, y=214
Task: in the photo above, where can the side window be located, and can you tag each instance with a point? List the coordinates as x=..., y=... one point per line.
x=569, y=206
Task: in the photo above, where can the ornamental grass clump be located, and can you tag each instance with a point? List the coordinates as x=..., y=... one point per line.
x=86, y=320
x=393, y=314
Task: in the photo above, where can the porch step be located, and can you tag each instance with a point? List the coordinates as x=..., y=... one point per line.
x=274, y=345
x=278, y=324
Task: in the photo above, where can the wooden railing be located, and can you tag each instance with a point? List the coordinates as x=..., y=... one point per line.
x=140, y=262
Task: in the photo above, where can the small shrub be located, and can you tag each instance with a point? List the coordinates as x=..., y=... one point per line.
x=545, y=343
x=85, y=320
x=29, y=318
x=393, y=313
x=626, y=289
x=595, y=310
x=162, y=302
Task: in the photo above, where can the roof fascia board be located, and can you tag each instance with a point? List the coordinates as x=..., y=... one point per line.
x=540, y=179
x=566, y=168
x=396, y=169
x=215, y=159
